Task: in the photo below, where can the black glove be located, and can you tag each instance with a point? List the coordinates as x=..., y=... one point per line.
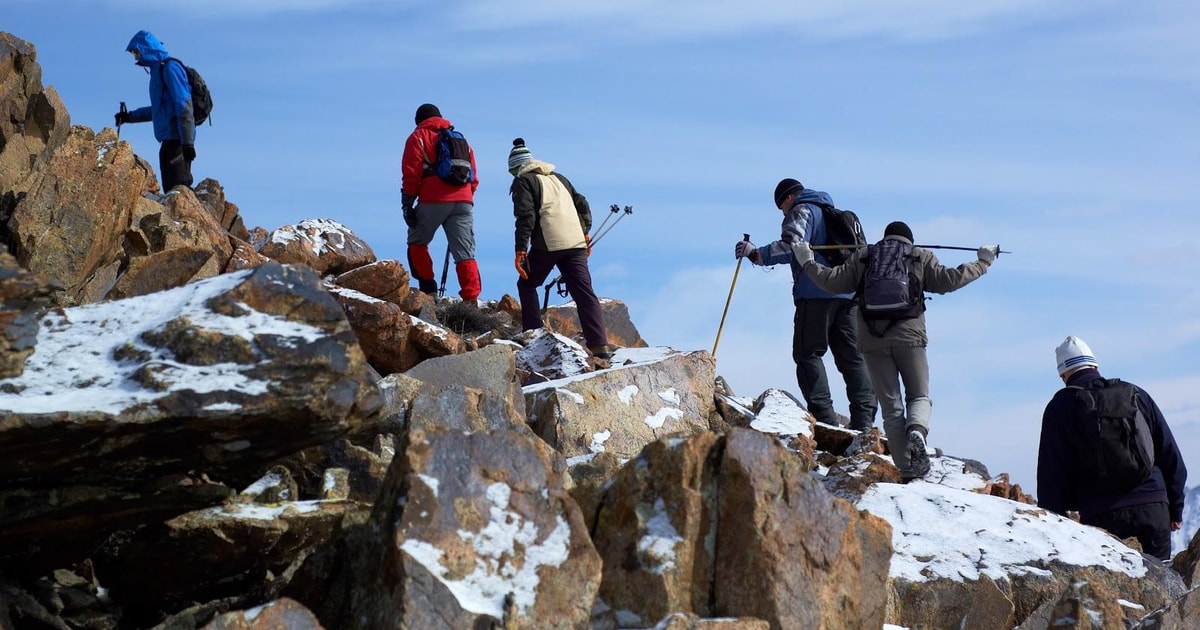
x=410, y=213
x=189, y=152
x=121, y=118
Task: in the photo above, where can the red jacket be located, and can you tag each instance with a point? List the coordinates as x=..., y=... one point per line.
x=421, y=149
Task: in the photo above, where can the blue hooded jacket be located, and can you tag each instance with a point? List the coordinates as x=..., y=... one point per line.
x=804, y=221
x=170, y=93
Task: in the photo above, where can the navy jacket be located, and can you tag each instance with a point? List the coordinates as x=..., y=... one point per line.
x=1059, y=489
x=804, y=221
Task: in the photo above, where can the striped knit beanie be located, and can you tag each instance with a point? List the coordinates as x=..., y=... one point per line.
x=1073, y=353
x=518, y=156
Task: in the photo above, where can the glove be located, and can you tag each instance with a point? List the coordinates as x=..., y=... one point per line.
x=410, y=213
x=988, y=253
x=587, y=238
x=121, y=118
x=803, y=253
x=519, y=263
x=745, y=249
x=189, y=152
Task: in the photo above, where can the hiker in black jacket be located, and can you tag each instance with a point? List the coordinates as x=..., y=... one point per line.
x=1151, y=509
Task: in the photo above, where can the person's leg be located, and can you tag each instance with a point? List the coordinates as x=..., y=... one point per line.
x=460, y=233
x=843, y=343
x=1150, y=523
x=810, y=340
x=174, y=168
x=886, y=382
x=539, y=264
x=913, y=365
x=429, y=218
x=574, y=267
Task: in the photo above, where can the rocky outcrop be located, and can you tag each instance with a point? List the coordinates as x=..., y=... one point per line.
x=216, y=377
x=623, y=409
x=324, y=245
x=564, y=320
x=24, y=296
x=33, y=120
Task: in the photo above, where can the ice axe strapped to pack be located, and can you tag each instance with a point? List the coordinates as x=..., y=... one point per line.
x=601, y=232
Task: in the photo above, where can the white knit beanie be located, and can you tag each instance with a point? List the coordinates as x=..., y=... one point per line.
x=1074, y=353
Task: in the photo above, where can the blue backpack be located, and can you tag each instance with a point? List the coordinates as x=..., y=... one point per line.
x=452, y=158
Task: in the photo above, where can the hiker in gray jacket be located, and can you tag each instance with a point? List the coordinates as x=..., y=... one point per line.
x=896, y=352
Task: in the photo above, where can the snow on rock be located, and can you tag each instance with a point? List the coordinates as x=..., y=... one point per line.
x=781, y=415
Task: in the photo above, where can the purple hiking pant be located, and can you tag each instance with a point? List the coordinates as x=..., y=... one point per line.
x=572, y=264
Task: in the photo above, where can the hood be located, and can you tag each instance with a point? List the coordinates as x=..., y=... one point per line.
x=537, y=167
x=150, y=50
x=435, y=123
x=809, y=195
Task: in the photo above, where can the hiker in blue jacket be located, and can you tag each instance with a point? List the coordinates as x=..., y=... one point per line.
x=170, y=109
x=823, y=321
x=1150, y=510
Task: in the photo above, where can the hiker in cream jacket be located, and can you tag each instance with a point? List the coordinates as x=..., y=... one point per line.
x=552, y=225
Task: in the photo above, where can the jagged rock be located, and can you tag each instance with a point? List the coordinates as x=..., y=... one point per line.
x=1187, y=562
x=281, y=614
x=432, y=340
x=733, y=410
x=322, y=244
x=24, y=296
x=621, y=410
x=564, y=320
x=211, y=195
x=656, y=531
x=216, y=376
x=688, y=621
x=238, y=548
x=385, y=280
x=788, y=551
x=491, y=370
x=383, y=330
x=470, y=529
x=276, y=486
x=1029, y=554
x=33, y=120
x=244, y=256
x=850, y=477
x=71, y=224
x=591, y=476
x=551, y=356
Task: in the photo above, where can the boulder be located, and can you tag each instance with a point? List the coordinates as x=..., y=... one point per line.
x=328, y=247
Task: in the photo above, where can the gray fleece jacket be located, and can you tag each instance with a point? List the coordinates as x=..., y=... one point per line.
x=934, y=279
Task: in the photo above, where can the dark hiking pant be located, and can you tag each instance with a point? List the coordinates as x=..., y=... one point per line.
x=572, y=264
x=174, y=168
x=1150, y=523
x=831, y=324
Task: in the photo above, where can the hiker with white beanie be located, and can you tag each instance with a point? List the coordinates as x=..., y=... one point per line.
x=1107, y=453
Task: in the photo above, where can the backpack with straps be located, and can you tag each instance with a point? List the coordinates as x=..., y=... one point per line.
x=1114, y=447
x=841, y=228
x=452, y=158
x=202, y=103
x=889, y=291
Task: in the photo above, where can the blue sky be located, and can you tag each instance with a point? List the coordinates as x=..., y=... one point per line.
x=1066, y=132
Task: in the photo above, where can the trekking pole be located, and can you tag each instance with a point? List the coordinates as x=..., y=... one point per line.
x=600, y=233
x=965, y=249
x=736, y=269
x=445, y=270
x=124, y=110
x=628, y=210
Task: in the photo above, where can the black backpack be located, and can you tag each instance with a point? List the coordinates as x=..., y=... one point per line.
x=841, y=228
x=889, y=291
x=1114, y=447
x=452, y=158
x=202, y=103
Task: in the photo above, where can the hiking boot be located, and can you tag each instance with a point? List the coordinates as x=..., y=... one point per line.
x=428, y=287
x=918, y=459
x=602, y=351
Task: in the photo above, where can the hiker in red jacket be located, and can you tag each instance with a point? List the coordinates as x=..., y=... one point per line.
x=430, y=202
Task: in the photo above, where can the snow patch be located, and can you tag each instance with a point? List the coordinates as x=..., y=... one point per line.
x=627, y=393
x=661, y=417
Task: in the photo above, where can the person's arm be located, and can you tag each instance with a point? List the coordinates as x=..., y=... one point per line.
x=524, y=209
x=1167, y=457
x=940, y=279
x=412, y=164
x=841, y=279
x=474, y=171
x=1055, y=478
x=797, y=226
x=141, y=114
x=180, y=93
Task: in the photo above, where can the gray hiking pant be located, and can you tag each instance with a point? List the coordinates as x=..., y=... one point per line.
x=456, y=217
x=888, y=367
